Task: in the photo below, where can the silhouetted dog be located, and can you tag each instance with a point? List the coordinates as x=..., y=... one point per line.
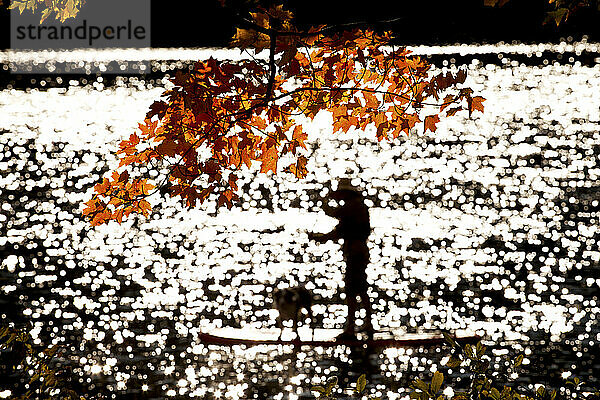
x=290, y=302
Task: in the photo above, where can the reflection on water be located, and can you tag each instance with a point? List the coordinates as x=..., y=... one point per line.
x=490, y=224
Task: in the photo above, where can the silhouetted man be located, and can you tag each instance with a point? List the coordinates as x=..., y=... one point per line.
x=354, y=228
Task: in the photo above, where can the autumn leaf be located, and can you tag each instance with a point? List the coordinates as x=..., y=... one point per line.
x=299, y=136
x=408, y=121
x=148, y=128
x=129, y=146
x=371, y=100
x=102, y=188
x=430, y=122
x=145, y=188
x=436, y=382
x=118, y=216
x=361, y=383
x=493, y=3
x=298, y=169
x=453, y=362
x=475, y=103
x=124, y=176
x=158, y=108
x=278, y=12
x=144, y=206
x=342, y=124
x=448, y=100
x=190, y=195
x=246, y=158
x=101, y=218
x=269, y=160
x=21, y=6
x=451, y=112
x=259, y=122
x=382, y=130
x=91, y=207
x=226, y=198
x=69, y=10
x=557, y=15
x=287, y=56
x=248, y=38
x=339, y=112
x=167, y=148
x=232, y=180
x=45, y=14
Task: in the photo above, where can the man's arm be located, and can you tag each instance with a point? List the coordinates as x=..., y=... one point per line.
x=323, y=237
x=335, y=212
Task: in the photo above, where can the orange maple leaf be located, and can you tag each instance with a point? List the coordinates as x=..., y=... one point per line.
x=299, y=136
x=118, y=216
x=298, y=168
x=475, y=103
x=101, y=218
x=371, y=100
x=145, y=188
x=430, y=122
x=144, y=207
x=269, y=159
x=340, y=111
x=148, y=127
x=102, y=188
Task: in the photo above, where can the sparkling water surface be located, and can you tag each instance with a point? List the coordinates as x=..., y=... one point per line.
x=490, y=224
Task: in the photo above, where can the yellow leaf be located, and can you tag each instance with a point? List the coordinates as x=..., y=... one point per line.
x=557, y=16
x=519, y=360
x=436, y=382
x=361, y=383
x=248, y=38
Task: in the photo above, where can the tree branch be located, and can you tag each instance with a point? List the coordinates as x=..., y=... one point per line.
x=272, y=66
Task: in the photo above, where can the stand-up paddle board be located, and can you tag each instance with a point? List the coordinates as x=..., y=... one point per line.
x=327, y=338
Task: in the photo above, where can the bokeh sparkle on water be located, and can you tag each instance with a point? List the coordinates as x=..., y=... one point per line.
x=489, y=224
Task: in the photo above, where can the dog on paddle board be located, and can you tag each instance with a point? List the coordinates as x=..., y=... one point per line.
x=290, y=302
